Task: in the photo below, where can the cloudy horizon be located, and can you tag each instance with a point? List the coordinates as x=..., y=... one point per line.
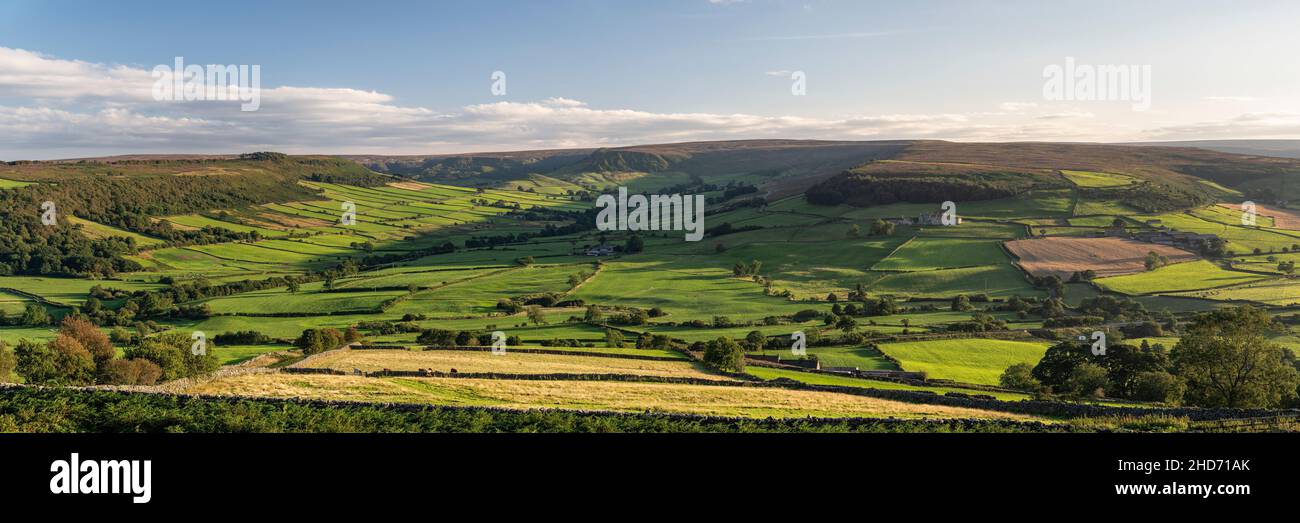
x=66, y=97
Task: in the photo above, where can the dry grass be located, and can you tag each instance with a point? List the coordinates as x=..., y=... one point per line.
x=1282, y=218
x=1107, y=256
x=594, y=395
x=510, y=362
x=410, y=186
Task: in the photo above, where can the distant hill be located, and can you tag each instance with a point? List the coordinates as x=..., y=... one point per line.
x=1279, y=148
x=1169, y=175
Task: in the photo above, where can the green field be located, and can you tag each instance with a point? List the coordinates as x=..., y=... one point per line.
x=1095, y=179
x=1178, y=277
x=979, y=361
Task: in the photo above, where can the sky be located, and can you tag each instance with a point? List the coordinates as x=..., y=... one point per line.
x=77, y=78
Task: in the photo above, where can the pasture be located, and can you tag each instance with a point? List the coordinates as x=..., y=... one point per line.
x=1179, y=277
x=973, y=360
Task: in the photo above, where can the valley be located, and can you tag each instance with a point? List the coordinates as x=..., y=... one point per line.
x=297, y=298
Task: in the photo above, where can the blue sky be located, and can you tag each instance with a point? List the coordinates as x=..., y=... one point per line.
x=414, y=77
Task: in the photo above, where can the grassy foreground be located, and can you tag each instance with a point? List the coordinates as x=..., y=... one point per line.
x=66, y=410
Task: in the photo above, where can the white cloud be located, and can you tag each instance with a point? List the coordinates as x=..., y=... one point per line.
x=56, y=108
x=1249, y=125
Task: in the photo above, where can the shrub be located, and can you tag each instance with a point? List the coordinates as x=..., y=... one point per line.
x=137, y=371
x=437, y=338
x=8, y=362
x=1158, y=386
x=172, y=352
x=1020, y=377
x=315, y=341
x=63, y=361
x=1087, y=380
x=241, y=338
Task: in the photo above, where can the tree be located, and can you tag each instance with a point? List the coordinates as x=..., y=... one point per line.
x=89, y=336
x=137, y=371
x=881, y=228
x=634, y=244
x=613, y=339
x=1087, y=380
x=437, y=338
x=1020, y=377
x=961, y=303
x=593, y=314
x=855, y=231
x=294, y=286
x=174, y=354
x=724, y=354
x=1155, y=260
x=1159, y=387
x=754, y=340
x=8, y=362
x=35, y=315
x=62, y=361
x=846, y=323
x=1059, y=362
x=535, y=314
x=1124, y=363
x=1227, y=361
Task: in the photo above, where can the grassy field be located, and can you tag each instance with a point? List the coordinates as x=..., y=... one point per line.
x=508, y=363
x=99, y=230
x=754, y=402
x=846, y=381
x=979, y=361
x=1178, y=277
x=922, y=254
x=1095, y=179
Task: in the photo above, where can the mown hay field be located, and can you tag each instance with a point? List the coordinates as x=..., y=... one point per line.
x=508, y=363
x=1107, y=256
x=714, y=400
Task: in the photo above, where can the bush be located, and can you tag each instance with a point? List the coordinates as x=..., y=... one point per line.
x=241, y=338
x=1087, y=380
x=90, y=337
x=1157, y=386
x=172, y=352
x=63, y=361
x=437, y=338
x=138, y=371
x=8, y=362
x=315, y=341
x=1020, y=377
